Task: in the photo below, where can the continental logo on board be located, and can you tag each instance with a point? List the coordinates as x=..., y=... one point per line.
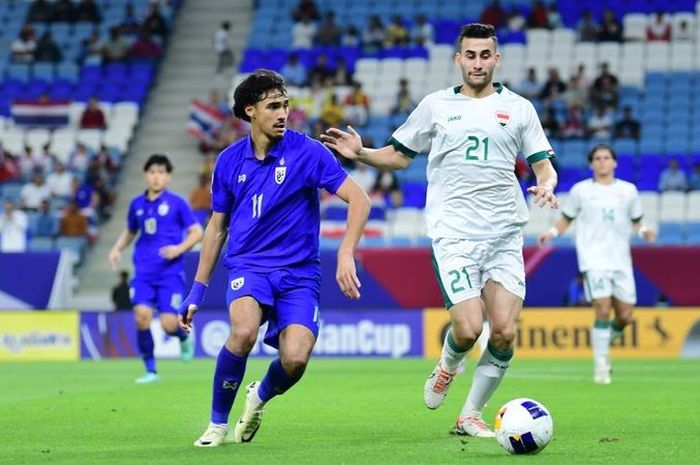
x=655, y=333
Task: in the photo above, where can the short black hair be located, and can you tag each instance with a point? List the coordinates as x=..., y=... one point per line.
x=597, y=147
x=477, y=31
x=255, y=88
x=158, y=159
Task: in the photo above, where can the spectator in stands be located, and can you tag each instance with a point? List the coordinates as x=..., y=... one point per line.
x=105, y=198
x=575, y=124
x=374, y=35
x=129, y=25
x=93, y=117
x=145, y=48
x=575, y=295
x=322, y=70
x=46, y=161
x=605, y=88
x=659, y=28
x=116, y=48
x=219, y=103
x=516, y=20
x=47, y=49
x=22, y=49
x=45, y=223
x=80, y=158
x=342, y=76
x=332, y=112
x=40, y=11
x=328, y=33
x=600, y=124
x=73, y=223
x=683, y=32
x=588, y=29
x=396, y=33
x=553, y=87
x=694, y=180
x=154, y=23
x=386, y=186
x=200, y=197
x=88, y=10
x=627, y=127
x=673, y=178
x=222, y=47
x=60, y=181
x=582, y=80
x=422, y=34
x=554, y=20
x=84, y=197
x=404, y=102
x=294, y=72
x=550, y=124
x=538, y=18
x=9, y=168
x=351, y=37
x=106, y=164
x=63, y=11
x=305, y=9
x=91, y=48
x=574, y=93
x=13, y=229
x=34, y=192
x=529, y=87
x=27, y=164
x=610, y=28
x=364, y=175
x=121, y=293
x=357, y=108
x=494, y=14
x=303, y=33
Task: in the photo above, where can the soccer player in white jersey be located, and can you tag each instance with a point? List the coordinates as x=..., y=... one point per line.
x=475, y=209
x=607, y=210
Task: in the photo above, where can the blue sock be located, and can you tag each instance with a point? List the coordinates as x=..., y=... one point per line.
x=276, y=381
x=178, y=333
x=228, y=376
x=145, y=342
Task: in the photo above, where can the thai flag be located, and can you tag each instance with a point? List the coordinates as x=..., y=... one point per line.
x=204, y=122
x=43, y=114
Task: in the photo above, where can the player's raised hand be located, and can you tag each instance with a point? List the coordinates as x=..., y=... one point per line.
x=348, y=144
x=190, y=306
x=346, y=276
x=544, y=238
x=169, y=252
x=543, y=196
x=114, y=257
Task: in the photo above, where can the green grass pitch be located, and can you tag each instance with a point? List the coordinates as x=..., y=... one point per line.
x=344, y=412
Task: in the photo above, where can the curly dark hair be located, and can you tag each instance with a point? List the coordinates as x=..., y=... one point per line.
x=158, y=159
x=477, y=31
x=254, y=89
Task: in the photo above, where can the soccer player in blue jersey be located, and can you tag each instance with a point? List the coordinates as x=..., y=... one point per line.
x=166, y=229
x=265, y=199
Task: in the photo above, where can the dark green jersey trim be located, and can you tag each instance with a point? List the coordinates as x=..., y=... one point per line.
x=568, y=217
x=436, y=269
x=401, y=148
x=637, y=220
x=535, y=157
x=497, y=85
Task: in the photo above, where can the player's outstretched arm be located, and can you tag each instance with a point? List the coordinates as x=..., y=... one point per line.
x=644, y=232
x=561, y=225
x=214, y=238
x=115, y=253
x=349, y=145
x=546, y=182
x=358, y=211
x=194, y=235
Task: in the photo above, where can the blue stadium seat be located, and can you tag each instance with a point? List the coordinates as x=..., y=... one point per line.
x=671, y=233
x=335, y=213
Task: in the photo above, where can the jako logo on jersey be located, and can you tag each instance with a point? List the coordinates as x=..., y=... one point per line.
x=280, y=174
x=454, y=118
x=241, y=178
x=237, y=283
x=503, y=117
x=163, y=209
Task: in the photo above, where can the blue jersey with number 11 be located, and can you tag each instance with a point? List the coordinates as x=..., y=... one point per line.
x=274, y=202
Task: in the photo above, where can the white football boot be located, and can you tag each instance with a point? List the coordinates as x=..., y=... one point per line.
x=215, y=435
x=472, y=426
x=249, y=421
x=436, y=386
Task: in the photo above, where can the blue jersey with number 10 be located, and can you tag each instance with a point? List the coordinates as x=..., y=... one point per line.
x=274, y=202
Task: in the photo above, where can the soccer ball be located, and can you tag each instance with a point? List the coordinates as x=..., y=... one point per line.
x=523, y=426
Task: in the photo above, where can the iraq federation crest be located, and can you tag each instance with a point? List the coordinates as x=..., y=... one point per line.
x=503, y=118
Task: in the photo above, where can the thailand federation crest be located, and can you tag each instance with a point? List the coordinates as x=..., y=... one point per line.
x=280, y=174
x=163, y=209
x=237, y=283
x=503, y=117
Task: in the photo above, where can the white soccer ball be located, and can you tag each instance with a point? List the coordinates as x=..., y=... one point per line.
x=523, y=426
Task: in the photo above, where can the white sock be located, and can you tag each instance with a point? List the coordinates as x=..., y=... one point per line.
x=487, y=376
x=451, y=354
x=600, y=340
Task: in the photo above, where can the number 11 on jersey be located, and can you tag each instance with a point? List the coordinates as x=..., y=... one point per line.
x=257, y=205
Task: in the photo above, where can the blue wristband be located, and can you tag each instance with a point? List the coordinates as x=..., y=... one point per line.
x=194, y=298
